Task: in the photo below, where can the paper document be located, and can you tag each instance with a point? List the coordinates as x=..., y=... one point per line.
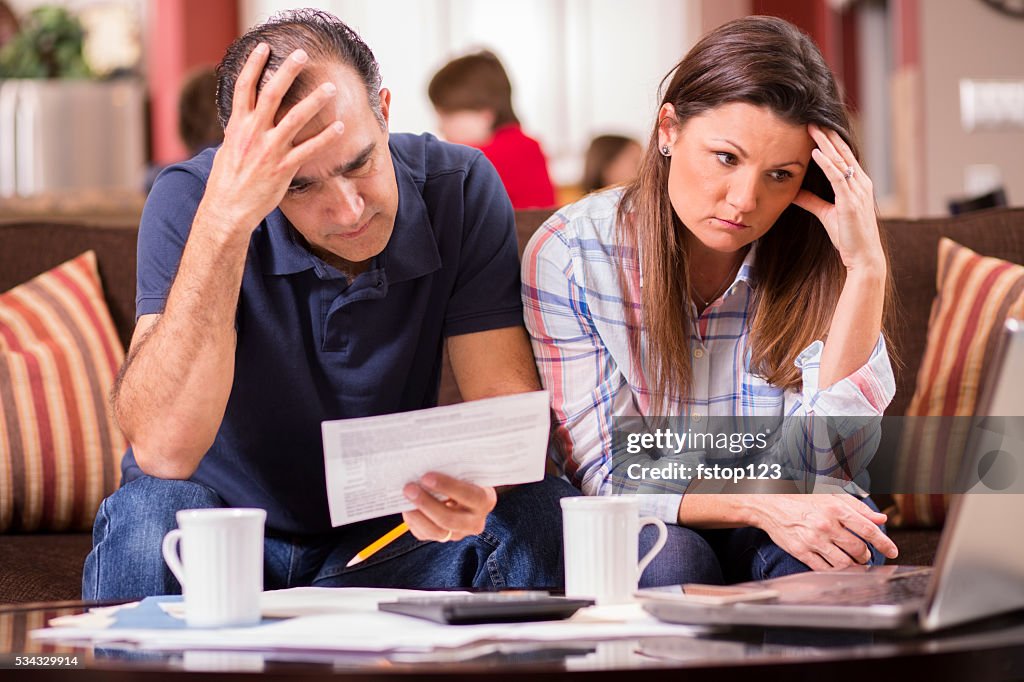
x=344, y=619
x=497, y=441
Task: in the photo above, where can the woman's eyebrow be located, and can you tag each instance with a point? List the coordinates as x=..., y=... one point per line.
x=744, y=154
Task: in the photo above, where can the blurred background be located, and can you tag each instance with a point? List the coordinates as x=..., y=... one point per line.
x=90, y=89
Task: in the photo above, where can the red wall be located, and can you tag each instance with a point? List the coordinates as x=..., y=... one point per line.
x=182, y=35
x=834, y=32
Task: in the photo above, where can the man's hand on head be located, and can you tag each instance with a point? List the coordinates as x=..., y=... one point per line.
x=258, y=158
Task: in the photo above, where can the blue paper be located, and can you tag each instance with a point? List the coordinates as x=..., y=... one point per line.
x=149, y=616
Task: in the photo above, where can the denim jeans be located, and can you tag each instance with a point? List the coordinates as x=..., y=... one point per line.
x=722, y=556
x=521, y=546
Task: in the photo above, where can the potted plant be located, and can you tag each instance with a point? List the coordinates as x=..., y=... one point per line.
x=66, y=128
x=49, y=45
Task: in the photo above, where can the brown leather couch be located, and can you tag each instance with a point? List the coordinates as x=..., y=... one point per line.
x=38, y=567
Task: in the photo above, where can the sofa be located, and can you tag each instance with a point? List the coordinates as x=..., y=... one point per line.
x=47, y=567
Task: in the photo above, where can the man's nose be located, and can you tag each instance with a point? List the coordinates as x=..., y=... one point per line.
x=346, y=207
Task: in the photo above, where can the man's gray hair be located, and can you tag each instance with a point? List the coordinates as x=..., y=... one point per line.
x=324, y=37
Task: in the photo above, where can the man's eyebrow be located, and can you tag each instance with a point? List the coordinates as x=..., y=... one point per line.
x=361, y=158
x=743, y=152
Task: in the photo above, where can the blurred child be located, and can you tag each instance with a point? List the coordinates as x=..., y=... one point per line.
x=611, y=160
x=197, y=112
x=198, y=125
x=473, y=99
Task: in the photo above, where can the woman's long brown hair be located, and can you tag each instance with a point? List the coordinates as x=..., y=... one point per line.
x=766, y=62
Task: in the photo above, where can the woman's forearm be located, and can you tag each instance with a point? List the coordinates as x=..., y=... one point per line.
x=715, y=511
x=856, y=324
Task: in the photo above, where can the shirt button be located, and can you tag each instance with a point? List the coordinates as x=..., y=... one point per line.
x=698, y=353
x=697, y=418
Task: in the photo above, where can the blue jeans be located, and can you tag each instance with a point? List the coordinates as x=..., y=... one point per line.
x=722, y=556
x=521, y=546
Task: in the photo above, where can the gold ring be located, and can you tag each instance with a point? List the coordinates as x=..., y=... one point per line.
x=447, y=537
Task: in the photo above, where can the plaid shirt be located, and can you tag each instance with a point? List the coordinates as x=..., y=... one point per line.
x=575, y=314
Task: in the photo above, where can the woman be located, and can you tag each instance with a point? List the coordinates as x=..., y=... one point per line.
x=742, y=273
x=473, y=99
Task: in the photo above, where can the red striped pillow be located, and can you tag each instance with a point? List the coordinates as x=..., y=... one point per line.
x=976, y=294
x=59, y=352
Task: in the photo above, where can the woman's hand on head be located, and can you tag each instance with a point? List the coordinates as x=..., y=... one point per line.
x=824, y=531
x=850, y=222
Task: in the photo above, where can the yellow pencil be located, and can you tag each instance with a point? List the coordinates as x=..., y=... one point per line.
x=377, y=545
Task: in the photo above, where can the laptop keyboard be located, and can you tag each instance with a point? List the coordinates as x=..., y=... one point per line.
x=898, y=590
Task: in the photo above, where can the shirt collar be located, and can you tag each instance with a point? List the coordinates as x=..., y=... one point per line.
x=279, y=248
x=410, y=253
x=747, y=272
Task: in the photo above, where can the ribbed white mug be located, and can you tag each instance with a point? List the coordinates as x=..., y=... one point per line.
x=601, y=536
x=221, y=565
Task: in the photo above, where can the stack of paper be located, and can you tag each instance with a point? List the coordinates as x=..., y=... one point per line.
x=341, y=619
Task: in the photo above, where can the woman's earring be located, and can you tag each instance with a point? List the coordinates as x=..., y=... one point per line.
x=665, y=151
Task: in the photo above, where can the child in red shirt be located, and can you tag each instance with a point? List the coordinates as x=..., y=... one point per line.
x=473, y=99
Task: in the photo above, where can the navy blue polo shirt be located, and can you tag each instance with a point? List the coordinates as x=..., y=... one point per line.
x=313, y=347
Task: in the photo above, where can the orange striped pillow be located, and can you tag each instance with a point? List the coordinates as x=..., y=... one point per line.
x=976, y=294
x=59, y=352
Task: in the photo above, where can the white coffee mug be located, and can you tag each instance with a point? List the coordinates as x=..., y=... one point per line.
x=221, y=565
x=602, y=538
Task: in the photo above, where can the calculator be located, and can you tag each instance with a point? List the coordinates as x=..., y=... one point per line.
x=487, y=607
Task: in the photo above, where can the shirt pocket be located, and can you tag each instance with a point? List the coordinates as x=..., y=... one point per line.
x=760, y=397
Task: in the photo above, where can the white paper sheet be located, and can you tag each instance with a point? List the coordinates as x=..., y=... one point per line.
x=347, y=619
x=311, y=601
x=497, y=441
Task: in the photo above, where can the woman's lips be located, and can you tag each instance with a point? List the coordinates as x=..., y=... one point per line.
x=731, y=225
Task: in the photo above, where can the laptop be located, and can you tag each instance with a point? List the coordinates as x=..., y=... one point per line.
x=979, y=567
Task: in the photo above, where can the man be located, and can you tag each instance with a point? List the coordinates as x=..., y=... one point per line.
x=310, y=269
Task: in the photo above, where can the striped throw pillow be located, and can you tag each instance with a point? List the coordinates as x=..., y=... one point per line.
x=976, y=294
x=59, y=448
